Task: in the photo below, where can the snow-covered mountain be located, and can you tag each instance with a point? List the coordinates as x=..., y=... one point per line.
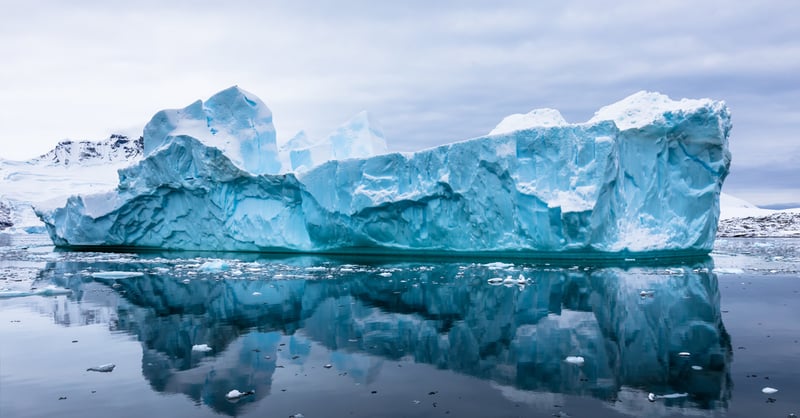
x=115, y=149
x=71, y=167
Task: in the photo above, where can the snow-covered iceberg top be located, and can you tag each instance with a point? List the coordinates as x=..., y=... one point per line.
x=643, y=176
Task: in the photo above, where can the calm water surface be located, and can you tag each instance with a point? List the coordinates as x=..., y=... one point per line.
x=326, y=337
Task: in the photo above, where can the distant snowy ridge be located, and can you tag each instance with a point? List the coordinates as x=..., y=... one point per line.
x=739, y=218
x=117, y=148
x=71, y=167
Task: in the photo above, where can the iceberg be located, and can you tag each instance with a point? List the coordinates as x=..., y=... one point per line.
x=643, y=176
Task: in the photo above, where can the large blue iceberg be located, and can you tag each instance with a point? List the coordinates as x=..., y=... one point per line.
x=643, y=176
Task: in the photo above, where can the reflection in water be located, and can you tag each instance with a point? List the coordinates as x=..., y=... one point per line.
x=651, y=328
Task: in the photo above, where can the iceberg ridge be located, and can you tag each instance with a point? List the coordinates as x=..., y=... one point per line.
x=564, y=189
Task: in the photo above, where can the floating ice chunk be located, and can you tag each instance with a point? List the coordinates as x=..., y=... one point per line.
x=684, y=354
x=697, y=367
x=647, y=293
x=114, y=275
x=201, y=348
x=105, y=368
x=256, y=293
x=495, y=281
x=214, y=266
x=385, y=274
x=728, y=270
x=577, y=360
x=235, y=395
x=768, y=390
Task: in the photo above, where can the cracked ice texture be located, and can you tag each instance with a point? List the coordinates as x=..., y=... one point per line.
x=643, y=176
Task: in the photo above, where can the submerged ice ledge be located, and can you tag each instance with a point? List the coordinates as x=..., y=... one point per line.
x=549, y=189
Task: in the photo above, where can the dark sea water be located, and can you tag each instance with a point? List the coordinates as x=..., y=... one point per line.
x=372, y=337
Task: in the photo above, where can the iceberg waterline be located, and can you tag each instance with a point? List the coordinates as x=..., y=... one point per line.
x=552, y=189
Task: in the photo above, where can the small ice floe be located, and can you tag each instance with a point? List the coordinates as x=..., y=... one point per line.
x=328, y=366
x=186, y=281
x=684, y=354
x=728, y=270
x=214, y=266
x=385, y=274
x=105, y=368
x=697, y=368
x=498, y=265
x=647, y=293
x=256, y=293
x=201, y=348
x=577, y=360
x=297, y=415
x=235, y=395
x=495, y=281
x=768, y=390
x=45, y=291
x=114, y=275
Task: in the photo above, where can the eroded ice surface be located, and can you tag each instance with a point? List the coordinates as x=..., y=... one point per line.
x=643, y=176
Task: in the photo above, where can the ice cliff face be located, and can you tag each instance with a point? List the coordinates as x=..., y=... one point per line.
x=643, y=176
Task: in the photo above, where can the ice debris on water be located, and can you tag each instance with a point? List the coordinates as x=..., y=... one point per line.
x=105, y=368
x=201, y=348
x=577, y=360
x=647, y=293
x=695, y=367
x=769, y=391
x=684, y=354
x=45, y=291
x=728, y=270
x=114, y=275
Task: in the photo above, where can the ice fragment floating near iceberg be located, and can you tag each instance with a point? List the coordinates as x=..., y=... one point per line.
x=643, y=176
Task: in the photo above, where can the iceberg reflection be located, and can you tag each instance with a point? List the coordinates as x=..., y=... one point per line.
x=599, y=331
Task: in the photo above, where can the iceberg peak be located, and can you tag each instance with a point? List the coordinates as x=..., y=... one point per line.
x=544, y=117
x=645, y=107
x=232, y=120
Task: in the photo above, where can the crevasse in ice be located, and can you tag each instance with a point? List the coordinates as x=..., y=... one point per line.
x=642, y=176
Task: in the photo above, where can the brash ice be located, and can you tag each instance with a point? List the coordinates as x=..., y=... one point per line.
x=643, y=176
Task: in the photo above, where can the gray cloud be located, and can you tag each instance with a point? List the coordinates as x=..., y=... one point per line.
x=431, y=72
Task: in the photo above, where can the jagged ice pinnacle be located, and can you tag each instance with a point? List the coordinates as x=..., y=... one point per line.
x=642, y=176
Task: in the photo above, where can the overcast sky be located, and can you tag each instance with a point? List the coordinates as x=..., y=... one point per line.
x=429, y=72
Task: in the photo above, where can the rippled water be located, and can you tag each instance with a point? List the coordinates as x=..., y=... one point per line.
x=329, y=337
